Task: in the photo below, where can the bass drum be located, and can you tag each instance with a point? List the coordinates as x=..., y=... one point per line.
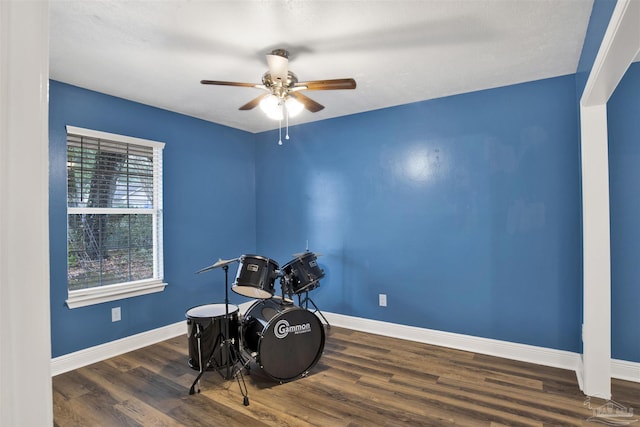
x=286, y=340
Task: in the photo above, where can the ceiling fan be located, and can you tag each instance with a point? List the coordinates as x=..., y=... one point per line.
x=283, y=98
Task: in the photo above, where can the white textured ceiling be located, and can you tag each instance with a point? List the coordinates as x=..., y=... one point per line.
x=156, y=52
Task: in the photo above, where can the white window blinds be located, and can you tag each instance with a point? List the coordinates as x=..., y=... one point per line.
x=114, y=209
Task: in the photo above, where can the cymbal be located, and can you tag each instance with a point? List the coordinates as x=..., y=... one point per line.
x=220, y=263
x=299, y=254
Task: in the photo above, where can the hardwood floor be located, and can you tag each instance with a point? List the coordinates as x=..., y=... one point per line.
x=361, y=380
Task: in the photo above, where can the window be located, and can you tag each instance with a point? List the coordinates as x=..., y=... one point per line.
x=114, y=217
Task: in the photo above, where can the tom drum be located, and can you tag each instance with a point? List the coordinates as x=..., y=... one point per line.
x=303, y=272
x=255, y=277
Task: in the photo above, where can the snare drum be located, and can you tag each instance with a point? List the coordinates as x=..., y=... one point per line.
x=205, y=324
x=255, y=277
x=303, y=272
x=287, y=341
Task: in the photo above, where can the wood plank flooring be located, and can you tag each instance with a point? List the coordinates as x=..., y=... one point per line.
x=361, y=380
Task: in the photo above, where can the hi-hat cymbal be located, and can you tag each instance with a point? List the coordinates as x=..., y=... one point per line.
x=220, y=263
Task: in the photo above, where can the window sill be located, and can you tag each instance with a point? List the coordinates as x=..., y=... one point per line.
x=98, y=295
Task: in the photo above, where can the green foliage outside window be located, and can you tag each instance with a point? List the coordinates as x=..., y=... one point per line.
x=110, y=195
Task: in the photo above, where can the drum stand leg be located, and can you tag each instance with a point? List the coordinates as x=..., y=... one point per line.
x=239, y=376
x=210, y=361
x=304, y=303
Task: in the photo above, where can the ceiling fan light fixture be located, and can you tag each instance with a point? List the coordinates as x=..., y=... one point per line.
x=272, y=107
x=293, y=106
x=283, y=99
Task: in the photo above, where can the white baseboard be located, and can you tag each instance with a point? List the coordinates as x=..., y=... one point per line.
x=625, y=370
x=509, y=350
x=621, y=369
x=78, y=359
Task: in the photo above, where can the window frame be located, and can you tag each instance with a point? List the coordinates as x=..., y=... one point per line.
x=100, y=294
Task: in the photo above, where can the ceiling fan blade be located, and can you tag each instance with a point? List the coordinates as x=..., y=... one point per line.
x=221, y=83
x=308, y=103
x=278, y=64
x=334, y=84
x=254, y=102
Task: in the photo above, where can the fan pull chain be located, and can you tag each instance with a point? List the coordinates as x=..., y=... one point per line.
x=287, y=124
x=280, y=132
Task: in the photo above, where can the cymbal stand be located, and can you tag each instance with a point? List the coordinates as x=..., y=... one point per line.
x=304, y=303
x=232, y=355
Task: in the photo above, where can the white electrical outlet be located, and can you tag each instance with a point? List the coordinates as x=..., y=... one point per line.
x=382, y=300
x=115, y=314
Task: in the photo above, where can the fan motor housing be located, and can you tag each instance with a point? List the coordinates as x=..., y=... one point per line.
x=277, y=86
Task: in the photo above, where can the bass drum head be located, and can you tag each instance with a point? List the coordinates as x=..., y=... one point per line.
x=291, y=340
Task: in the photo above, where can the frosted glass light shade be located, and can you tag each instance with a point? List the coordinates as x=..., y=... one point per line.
x=272, y=107
x=294, y=107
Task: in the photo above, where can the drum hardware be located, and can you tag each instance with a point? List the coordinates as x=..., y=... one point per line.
x=226, y=343
x=304, y=303
x=285, y=288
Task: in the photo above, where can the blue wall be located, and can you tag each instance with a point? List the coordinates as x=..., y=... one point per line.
x=624, y=160
x=209, y=212
x=463, y=210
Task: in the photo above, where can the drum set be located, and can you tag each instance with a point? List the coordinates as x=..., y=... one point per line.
x=285, y=340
